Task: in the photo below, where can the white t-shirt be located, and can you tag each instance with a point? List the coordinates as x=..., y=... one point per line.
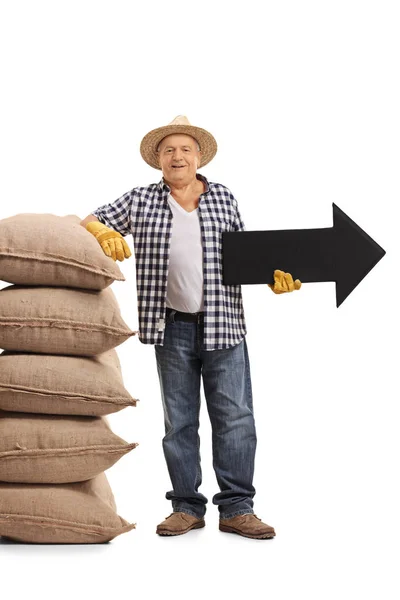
x=185, y=271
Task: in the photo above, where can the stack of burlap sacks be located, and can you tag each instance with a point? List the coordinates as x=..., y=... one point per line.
x=59, y=377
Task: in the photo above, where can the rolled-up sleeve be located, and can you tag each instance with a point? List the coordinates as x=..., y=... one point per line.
x=116, y=215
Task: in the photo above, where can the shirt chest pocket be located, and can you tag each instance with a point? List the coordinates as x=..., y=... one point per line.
x=219, y=224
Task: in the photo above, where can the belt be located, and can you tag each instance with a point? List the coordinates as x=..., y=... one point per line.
x=184, y=316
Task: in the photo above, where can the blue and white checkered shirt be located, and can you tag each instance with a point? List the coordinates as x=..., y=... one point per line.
x=145, y=213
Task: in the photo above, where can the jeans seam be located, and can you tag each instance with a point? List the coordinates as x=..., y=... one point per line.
x=198, y=466
x=248, y=379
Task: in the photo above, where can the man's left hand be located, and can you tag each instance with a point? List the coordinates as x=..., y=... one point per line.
x=283, y=282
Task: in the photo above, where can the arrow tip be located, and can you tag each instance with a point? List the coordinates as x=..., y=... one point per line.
x=356, y=254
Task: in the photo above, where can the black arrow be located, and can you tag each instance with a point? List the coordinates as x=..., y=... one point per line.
x=343, y=253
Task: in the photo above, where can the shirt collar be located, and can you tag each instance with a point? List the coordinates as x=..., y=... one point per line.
x=163, y=185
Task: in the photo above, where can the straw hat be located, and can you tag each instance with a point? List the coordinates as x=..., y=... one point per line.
x=207, y=143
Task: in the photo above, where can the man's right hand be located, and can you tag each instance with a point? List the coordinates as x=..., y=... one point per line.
x=112, y=242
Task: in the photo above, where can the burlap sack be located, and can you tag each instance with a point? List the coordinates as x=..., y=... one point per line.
x=74, y=513
x=57, y=320
x=56, y=449
x=62, y=385
x=44, y=249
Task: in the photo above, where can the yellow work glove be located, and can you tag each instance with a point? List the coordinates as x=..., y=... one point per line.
x=283, y=282
x=112, y=242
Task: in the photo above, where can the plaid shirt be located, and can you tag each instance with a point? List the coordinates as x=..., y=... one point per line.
x=145, y=213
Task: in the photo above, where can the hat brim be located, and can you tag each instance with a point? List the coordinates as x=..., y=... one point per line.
x=148, y=146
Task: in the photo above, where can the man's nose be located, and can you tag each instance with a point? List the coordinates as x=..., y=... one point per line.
x=177, y=154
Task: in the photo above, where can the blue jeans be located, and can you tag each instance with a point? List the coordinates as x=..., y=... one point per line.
x=227, y=388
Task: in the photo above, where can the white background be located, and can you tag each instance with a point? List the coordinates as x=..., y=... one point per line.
x=303, y=100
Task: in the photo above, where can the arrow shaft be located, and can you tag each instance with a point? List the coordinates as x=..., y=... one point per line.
x=308, y=254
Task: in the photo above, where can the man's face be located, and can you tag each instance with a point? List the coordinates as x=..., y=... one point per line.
x=179, y=158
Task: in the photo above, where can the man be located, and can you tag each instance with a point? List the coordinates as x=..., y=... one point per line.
x=195, y=322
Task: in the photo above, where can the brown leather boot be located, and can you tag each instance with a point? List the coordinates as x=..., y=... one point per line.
x=179, y=522
x=248, y=525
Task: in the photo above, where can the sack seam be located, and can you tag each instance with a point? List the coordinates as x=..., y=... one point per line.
x=48, y=452
x=48, y=522
x=63, y=324
x=55, y=258
x=66, y=395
